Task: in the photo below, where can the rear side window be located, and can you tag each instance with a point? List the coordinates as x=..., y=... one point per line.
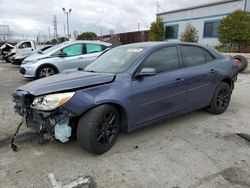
x=93, y=48
x=163, y=60
x=193, y=56
x=73, y=50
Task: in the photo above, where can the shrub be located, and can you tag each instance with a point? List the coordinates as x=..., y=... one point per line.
x=190, y=34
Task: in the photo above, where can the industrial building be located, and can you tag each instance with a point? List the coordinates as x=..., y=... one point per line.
x=205, y=18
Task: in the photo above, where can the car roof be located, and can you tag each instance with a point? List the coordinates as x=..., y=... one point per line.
x=159, y=43
x=152, y=45
x=87, y=41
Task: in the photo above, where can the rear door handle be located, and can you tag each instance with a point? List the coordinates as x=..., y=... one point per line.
x=80, y=57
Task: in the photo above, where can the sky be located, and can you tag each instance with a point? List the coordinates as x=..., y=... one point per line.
x=35, y=17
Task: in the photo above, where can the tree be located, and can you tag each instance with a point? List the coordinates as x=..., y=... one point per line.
x=190, y=34
x=87, y=36
x=234, y=29
x=156, y=32
x=62, y=39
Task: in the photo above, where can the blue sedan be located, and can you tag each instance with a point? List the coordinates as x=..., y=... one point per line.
x=127, y=88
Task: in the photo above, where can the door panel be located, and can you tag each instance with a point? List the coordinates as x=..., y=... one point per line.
x=156, y=96
x=75, y=57
x=164, y=93
x=200, y=75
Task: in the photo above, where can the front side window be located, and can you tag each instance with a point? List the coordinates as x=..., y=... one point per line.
x=211, y=29
x=171, y=32
x=73, y=50
x=193, y=56
x=93, y=48
x=163, y=60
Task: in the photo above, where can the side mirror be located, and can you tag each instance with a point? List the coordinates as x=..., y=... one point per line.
x=146, y=72
x=61, y=54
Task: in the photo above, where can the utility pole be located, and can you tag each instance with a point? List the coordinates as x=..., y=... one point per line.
x=67, y=12
x=64, y=30
x=55, y=27
x=49, y=33
x=139, y=26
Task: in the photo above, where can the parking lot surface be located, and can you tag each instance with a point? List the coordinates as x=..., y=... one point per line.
x=195, y=150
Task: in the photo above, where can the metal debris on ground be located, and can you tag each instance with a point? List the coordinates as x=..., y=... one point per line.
x=78, y=182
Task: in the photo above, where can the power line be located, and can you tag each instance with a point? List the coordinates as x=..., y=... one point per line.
x=159, y=7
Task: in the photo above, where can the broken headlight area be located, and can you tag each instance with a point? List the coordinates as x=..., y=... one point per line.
x=52, y=101
x=45, y=113
x=56, y=123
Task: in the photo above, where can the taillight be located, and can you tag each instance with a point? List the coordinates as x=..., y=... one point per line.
x=237, y=62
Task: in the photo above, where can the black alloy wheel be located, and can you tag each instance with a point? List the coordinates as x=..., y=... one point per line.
x=107, y=129
x=98, y=129
x=221, y=98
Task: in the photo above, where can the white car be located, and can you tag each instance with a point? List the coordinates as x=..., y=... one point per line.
x=61, y=57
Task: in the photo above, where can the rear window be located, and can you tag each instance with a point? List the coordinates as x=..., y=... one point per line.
x=193, y=55
x=93, y=48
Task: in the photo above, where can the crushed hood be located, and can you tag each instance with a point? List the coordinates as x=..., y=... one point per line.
x=66, y=81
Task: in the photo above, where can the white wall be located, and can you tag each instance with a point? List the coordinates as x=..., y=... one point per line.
x=198, y=16
x=247, y=5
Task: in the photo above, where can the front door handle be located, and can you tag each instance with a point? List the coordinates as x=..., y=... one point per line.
x=212, y=71
x=80, y=57
x=178, y=80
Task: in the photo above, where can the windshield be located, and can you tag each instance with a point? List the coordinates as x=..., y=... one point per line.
x=18, y=44
x=52, y=48
x=116, y=60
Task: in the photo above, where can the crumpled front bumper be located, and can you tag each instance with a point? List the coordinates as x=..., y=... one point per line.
x=41, y=121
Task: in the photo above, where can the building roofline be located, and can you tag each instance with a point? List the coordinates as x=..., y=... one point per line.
x=197, y=6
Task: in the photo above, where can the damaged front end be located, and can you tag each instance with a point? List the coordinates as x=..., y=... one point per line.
x=45, y=114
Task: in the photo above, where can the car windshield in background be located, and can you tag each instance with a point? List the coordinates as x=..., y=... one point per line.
x=52, y=48
x=116, y=60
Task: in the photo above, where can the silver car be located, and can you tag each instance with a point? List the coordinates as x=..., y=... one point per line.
x=67, y=55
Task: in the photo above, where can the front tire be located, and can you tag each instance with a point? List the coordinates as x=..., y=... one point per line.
x=98, y=129
x=221, y=99
x=46, y=71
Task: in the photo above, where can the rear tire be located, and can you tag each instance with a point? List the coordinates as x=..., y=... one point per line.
x=98, y=129
x=221, y=99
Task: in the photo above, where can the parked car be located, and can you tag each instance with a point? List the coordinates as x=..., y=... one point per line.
x=67, y=55
x=21, y=48
x=5, y=49
x=18, y=58
x=127, y=88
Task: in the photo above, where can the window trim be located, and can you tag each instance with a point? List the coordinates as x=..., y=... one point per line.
x=182, y=55
x=171, y=25
x=204, y=27
x=139, y=68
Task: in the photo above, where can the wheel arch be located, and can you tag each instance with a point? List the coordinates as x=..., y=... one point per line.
x=225, y=79
x=229, y=81
x=121, y=109
x=46, y=64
